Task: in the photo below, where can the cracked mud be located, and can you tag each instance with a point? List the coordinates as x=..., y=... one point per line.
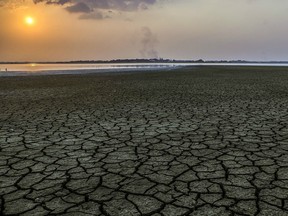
x=195, y=141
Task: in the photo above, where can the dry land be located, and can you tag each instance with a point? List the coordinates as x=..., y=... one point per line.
x=192, y=141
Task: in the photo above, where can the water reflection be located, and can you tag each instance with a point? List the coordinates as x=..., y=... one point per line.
x=41, y=69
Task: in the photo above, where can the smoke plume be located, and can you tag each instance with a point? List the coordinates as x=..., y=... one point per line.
x=148, y=42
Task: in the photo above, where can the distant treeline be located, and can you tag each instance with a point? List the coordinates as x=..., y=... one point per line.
x=160, y=60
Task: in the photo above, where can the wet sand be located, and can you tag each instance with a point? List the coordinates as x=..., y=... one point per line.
x=192, y=141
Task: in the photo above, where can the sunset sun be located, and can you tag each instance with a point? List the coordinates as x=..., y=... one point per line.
x=29, y=20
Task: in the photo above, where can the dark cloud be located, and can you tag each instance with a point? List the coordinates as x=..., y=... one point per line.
x=90, y=9
x=119, y=5
x=80, y=7
x=60, y=2
x=99, y=9
x=149, y=42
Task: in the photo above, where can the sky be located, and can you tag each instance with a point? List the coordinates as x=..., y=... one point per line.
x=64, y=30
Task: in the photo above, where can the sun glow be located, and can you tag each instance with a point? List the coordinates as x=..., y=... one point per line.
x=29, y=20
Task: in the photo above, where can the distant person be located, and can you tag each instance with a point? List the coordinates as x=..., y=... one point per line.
x=6, y=69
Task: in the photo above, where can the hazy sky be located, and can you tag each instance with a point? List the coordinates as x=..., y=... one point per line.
x=112, y=29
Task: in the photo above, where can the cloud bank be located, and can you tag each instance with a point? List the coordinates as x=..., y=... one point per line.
x=90, y=9
x=99, y=9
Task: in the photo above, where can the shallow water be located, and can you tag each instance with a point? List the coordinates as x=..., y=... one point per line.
x=57, y=67
x=48, y=69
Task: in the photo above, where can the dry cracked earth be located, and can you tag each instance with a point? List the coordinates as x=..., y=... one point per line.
x=194, y=141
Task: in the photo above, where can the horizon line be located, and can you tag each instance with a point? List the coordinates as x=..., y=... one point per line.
x=144, y=60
